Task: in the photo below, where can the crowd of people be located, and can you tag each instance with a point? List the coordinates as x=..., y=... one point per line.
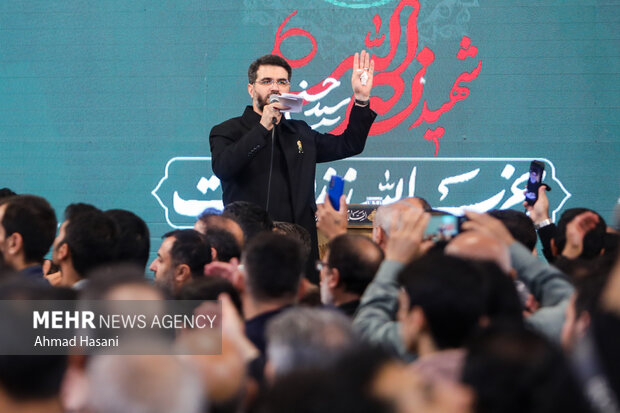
x=400, y=321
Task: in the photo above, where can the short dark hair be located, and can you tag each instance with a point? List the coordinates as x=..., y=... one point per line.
x=298, y=232
x=134, y=240
x=190, y=247
x=91, y=237
x=514, y=369
x=519, y=225
x=30, y=377
x=34, y=219
x=6, y=192
x=590, y=286
x=357, y=259
x=448, y=290
x=268, y=60
x=78, y=208
x=342, y=387
x=593, y=242
x=252, y=218
x=501, y=299
x=224, y=243
x=273, y=263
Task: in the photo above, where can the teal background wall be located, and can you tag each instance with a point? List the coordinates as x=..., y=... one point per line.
x=98, y=99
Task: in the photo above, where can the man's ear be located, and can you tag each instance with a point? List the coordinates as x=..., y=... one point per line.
x=251, y=90
x=554, y=248
x=63, y=252
x=403, y=305
x=15, y=243
x=213, y=254
x=379, y=237
x=334, y=278
x=417, y=318
x=413, y=326
x=182, y=274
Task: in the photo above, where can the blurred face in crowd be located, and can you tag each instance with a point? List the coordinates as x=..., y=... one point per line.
x=575, y=327
x=327, y=296
x=3, y=240
x=162, y=266
x=412, y=393
x=58, y=242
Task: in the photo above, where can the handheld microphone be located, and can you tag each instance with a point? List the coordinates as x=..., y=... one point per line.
x=273, y=99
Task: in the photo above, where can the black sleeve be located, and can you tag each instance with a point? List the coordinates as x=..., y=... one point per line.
x=545, y=234
x=232, y=150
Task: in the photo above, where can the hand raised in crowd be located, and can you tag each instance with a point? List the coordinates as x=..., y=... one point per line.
x=231, y=323
x=227, y=270
x=576, y=230
x=406, y=240
x=487, y=224
x=610, y=300
x=539, y=212
x=331, y=222
x=233, y=327
x=362, y=76
x=51, y=273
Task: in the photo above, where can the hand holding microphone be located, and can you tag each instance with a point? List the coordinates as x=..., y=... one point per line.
x=271, y=112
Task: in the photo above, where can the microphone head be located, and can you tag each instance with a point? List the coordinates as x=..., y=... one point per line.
x=274, y=98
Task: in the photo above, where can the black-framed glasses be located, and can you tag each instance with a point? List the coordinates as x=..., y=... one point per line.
x=269, y=81
x=319, y=265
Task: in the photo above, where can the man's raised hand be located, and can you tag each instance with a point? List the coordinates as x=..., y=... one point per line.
x=362, y=76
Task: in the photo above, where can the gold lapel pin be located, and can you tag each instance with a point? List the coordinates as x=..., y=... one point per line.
x=300, y=148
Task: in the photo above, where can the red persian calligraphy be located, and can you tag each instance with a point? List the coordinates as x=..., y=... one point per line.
x=433, y=135
x=390, y=75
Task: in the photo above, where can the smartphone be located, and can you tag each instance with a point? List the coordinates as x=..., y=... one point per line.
x=442, y=226
x=336, y=187
x=534, y=181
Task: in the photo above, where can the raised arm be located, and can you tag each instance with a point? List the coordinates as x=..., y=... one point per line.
x=376, y=316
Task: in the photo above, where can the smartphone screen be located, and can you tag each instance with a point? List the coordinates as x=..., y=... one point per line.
x=442, y=226
x=534, y=181
x=336, y=186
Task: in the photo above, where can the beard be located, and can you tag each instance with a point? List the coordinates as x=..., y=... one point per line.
x=263, y=100
x=165, y=281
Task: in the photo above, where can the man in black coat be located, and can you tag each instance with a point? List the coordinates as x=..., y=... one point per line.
x=266, y=159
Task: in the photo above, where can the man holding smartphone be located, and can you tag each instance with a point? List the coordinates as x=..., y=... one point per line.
x=266, y=159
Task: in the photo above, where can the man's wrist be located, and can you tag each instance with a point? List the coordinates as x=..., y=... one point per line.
x=361, y=98
x=541, y=224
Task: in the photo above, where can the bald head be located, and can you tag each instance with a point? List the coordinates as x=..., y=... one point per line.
x=386, y=214
x=478, y=246
x=144, y=383
x=418, y=202
x=357, y=259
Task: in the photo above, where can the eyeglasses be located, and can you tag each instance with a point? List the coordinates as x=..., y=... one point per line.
x=319, y=265
x=268, y=82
